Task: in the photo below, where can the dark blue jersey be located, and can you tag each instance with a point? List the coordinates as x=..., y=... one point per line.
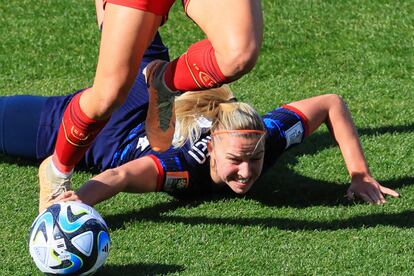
x=183, y=170
x=186, y=170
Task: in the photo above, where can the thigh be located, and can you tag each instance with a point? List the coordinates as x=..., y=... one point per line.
x=19, y=123
x=127, y=32
x=228, y=23
x=157, y=7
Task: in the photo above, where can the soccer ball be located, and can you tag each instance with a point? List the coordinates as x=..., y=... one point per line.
x=69, y=238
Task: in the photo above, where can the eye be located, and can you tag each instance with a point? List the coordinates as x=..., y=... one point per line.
x=256, y=158
x=234, y=161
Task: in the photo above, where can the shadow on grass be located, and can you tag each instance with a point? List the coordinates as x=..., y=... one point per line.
x=281, y=186
x=295, y=190
x=139, y=269
x=401, y=220
x=156, y=214
x=19, y=161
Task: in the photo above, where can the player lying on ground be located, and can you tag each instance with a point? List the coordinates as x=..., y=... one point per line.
x=225, y=144
x=233, y=30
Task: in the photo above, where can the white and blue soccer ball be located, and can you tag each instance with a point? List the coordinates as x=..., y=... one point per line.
x=69, y=238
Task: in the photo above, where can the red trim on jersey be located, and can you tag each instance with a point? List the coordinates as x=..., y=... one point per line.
x=157, y=7
x=160, y=172
x=301, y=115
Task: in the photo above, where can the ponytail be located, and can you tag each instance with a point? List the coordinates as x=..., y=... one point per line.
x=213, y=109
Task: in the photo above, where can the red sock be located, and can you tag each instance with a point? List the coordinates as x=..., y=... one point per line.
x=197, y=69
x=77, y=131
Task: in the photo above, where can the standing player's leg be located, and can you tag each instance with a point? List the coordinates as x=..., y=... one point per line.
x=126, y=34
x=234, y=36
x=234, y=30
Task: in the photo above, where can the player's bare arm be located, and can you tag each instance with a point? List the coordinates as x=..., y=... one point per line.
x=332, y=110
x=136, y=176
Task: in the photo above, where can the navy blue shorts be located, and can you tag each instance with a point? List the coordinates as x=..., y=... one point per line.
x=19, y=120
x=29, y=124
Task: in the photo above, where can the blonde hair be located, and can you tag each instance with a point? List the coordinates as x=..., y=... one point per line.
x=216, y=105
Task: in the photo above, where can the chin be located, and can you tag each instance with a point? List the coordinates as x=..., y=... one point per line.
x=239, y=188
x=241, y=192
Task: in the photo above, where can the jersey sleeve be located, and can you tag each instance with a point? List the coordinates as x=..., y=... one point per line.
x=286, y=127
x=179, y=176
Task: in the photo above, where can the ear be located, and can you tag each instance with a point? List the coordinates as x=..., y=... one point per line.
x=210, y=146
x=210, y=150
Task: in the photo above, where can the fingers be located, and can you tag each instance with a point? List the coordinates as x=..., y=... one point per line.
x=367, y=198
x=388, y=191
x=350, y=194
x=67, y=196
x=376, y=197
x=370, y=191
x=62, y=196
x=373, y=196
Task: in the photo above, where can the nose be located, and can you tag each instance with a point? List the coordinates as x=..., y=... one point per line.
x=245, y=169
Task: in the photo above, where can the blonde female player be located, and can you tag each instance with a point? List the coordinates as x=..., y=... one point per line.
x=221, y=144
x=234, y=35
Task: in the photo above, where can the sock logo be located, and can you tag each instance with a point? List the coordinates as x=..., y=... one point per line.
x=76, y=137
x=207, y=80
x=203, y=80
x=78, y=134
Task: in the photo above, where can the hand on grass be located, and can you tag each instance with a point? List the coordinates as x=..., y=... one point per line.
x=368, y=189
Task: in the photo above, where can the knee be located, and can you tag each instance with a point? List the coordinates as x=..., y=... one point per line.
x=111, y=101
x=235, y=61
x=106, y=101
x=110, y=89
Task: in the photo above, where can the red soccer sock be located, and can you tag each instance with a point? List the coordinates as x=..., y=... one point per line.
x=77, y=131
x=197, y=69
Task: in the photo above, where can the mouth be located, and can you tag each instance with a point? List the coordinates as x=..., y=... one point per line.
x=242, y=181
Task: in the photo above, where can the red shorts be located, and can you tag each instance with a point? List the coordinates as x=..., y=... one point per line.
x=158, y=7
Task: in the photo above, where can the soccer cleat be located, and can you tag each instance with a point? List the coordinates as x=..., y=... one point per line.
x=160, y=121
x=51, y=185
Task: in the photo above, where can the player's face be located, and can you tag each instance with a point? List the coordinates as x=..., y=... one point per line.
x=236, y=161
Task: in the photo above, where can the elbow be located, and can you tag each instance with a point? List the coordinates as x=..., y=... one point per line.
x=335, y=99
x=337, y=110
x=335, y=103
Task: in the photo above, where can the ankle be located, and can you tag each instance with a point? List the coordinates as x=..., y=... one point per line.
x=168, y=75
x=60, y=169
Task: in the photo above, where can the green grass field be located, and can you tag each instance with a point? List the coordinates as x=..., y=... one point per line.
x=296, y=221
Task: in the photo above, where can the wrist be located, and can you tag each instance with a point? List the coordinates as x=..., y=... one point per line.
x=360, y=175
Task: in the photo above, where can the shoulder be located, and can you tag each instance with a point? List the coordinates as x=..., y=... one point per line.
x=185, y=170
x=285, y=121
x=285, y=128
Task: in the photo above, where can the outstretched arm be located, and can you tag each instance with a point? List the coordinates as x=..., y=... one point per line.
x=137, y=176
x=331, y=110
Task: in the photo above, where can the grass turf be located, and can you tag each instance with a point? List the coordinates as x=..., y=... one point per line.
x=296, y=221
